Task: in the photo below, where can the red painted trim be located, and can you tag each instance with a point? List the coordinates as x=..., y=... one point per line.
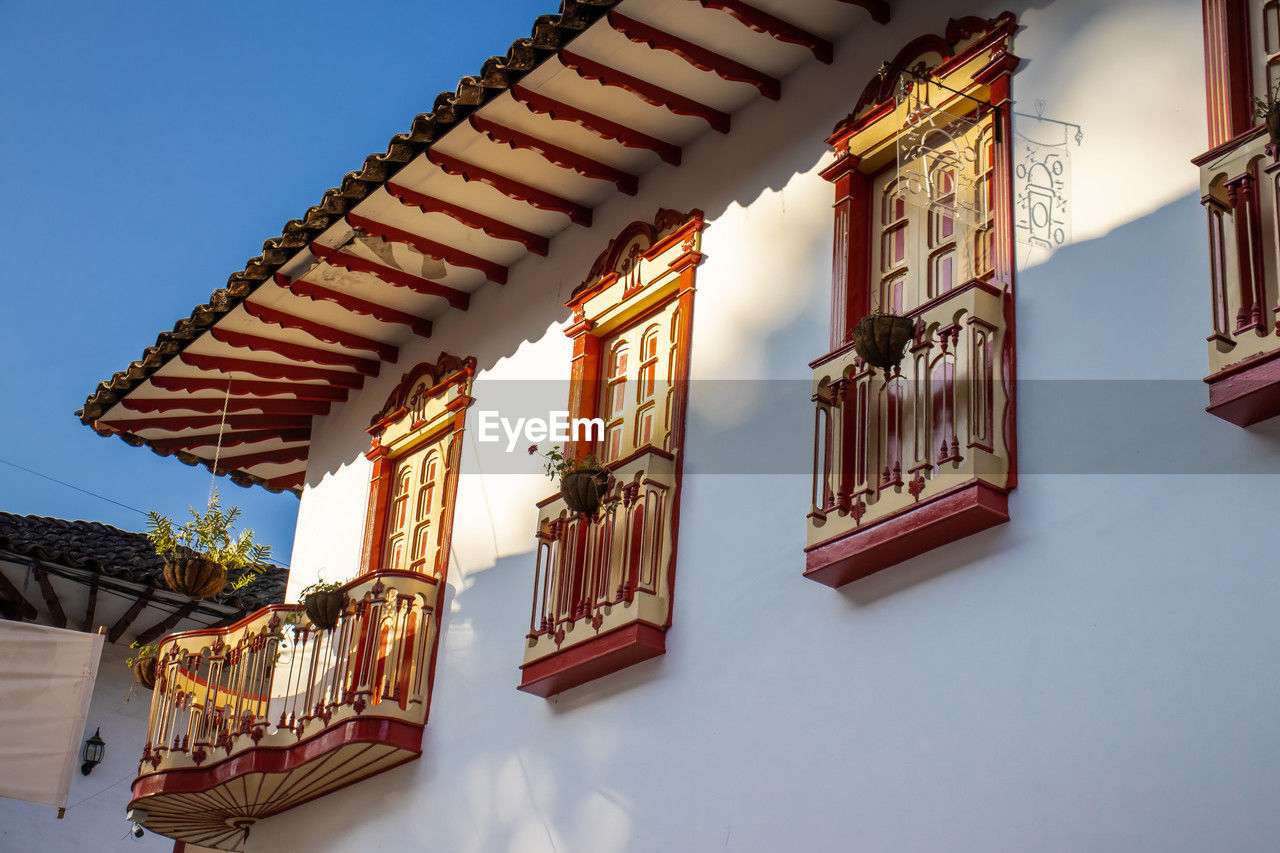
x=294, y=352
x=1248, y=393
x=229, y=439
x=495, y=272
x=271, y=370
x=695, y=54
x=397, y=278
x=495, y=228
x=235, y=404
x=378, y=731
x=288, y=482
x=593, y=659
x=944, y=518
x=307, y=290
x=299, y=390
x=1225, y=147
x=512, y=188
x=589, y=69
x=762, y=22
x=320, y=331
x=601, y=127
x=283, y=456
x=275, y=422
x=1228, y=69
x=879, y=9
x=554, y=154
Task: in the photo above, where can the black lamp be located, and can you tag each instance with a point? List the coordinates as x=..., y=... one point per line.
x=94, y=748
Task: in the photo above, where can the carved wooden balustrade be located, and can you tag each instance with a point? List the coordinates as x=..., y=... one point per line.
x=602, y=586
x=935, y=434
x=272, y=712
x=1240, y=191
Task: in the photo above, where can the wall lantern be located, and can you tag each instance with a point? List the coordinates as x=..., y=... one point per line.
x=94, y=748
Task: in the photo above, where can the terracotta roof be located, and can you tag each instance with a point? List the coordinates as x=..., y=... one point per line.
x=116, y=553
x=497, y=74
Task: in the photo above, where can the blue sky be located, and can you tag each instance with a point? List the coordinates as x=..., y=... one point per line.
x=148, y=150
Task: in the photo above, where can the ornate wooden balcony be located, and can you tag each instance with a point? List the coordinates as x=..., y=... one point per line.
x=909, y=462
x=602, y=586
x=272, y=712
x=1239, y=188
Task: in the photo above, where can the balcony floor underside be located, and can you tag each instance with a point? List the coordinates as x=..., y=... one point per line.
x=215, y=806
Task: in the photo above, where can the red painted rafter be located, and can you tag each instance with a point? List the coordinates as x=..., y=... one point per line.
x=495, y=228
x=320, y=331
x=233, y=422
x=10, y=592
x=512, y=188
x=696, y=55
x=879, y=9
x=283, y=456
x=166, y=623
x=217, y=404
x=229, y=439
x=294, y=352
x=290, y=482
x=601, y=127
x=91, y=605
x=589, y=69
x=396, y=278
x=762, y=22
x=495, y=272
x=271, y=370
x=554, y=154
x=125, y=620
x=385, y=314
x=57, y=615
x=298, y=390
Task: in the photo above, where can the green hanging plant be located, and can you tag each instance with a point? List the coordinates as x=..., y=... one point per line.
x=198, y=553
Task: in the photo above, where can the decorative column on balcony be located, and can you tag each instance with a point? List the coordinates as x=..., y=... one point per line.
x=602, y=594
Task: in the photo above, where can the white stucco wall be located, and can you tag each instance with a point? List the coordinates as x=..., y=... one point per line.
x=1099, y=674
x=96, y=806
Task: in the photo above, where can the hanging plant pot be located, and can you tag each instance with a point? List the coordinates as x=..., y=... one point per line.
x=880, y=339
x=1272, y=120
x=584, y=489
x=144, y=670
x=324, y=608
x=194, y=575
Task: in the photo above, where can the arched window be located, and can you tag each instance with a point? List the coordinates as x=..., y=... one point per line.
x=647, y=386
x=423, y=556
x=894, y=244
x=615, y=400
x=396, y=530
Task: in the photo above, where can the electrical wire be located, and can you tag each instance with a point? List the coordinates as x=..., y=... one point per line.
x=70, y=486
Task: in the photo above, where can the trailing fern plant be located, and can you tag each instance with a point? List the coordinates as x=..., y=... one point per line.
x=209, y=534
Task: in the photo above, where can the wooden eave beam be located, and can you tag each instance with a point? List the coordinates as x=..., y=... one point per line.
x=762, y=22
x=382, y=313
x=396, y=278
x=294, y=352
x=283, y=456
x=495, y=272
x=695, y=54
x=554, y=154
x=232, y=422
x=271, y=370
x=234, y=404
x=511, y=188
x=165, y=624
x=126, y=619
x=601, y=127
x=495, y=228
x=13, y=594
x=91, y=606
x=229, y=439
x=298, y=390
x=321, y=331
x=291, y=482
x=57, y=615
x=589, y=69
x=879, y=9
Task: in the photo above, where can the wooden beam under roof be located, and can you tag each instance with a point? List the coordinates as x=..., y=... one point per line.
x=600, y=126
x=555, y=155
x=91, y=605
x=56, y=614
x=320, y=331
x=280, y=456
x=495, y=228
x=696, y=55
x=511, y=188
x=126, y=619
x=495, y=272
x=295, y=352
x=762, y=22
x=164, y=625
x=12, y=594
x=879, y=9
x=231, y=422
x=230, y=439
x=271, y=369
x=348, y=302
x=459, y=299
x=298, y=390
x=650, y=93
x=267, y=406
